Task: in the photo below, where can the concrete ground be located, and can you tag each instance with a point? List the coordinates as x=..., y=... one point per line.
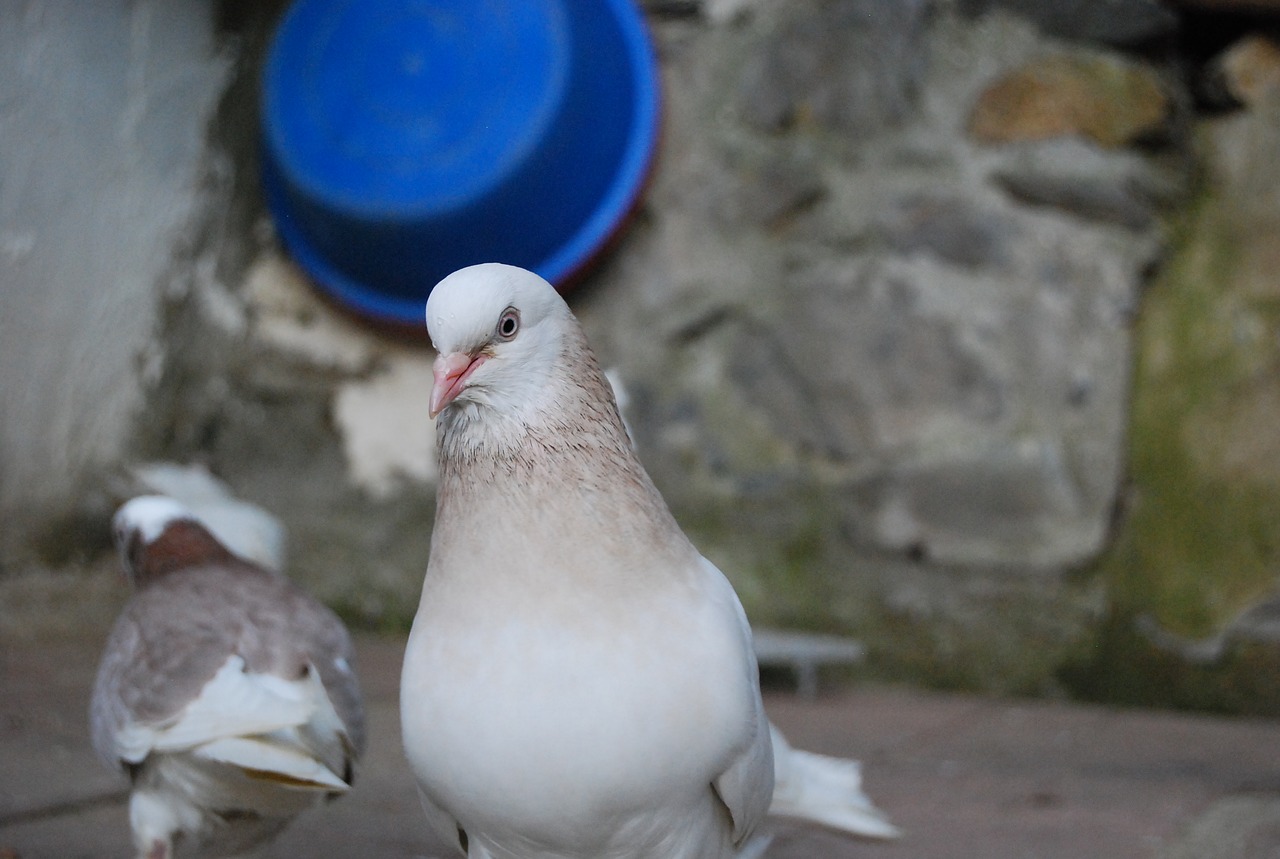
x=963, y=776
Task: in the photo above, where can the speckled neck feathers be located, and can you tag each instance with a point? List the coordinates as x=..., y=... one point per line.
x=569, y=452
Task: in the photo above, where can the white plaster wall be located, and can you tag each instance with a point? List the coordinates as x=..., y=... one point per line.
x=103, y=112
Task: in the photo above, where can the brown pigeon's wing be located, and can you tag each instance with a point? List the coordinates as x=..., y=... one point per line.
x=108, y=709
x=338, y=671
x=213, y=651
x=288, y=630
x=168, y=643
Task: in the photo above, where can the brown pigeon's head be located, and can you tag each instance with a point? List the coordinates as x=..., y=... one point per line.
x=156, y=534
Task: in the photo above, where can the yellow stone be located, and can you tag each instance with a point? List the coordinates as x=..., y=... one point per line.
x=1108, y=101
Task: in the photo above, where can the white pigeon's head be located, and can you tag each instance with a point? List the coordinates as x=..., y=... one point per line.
x=499, y=331
x=155, y=533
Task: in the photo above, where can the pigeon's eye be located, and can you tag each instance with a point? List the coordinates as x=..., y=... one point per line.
x=508, y=324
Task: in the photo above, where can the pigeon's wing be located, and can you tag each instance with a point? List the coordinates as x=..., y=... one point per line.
x=161, y=654
x=234, y=703
x=287, y=630
x=290, y=634
x=210, y=655
x=746, y=785
x=109, y=711
x=328, y=647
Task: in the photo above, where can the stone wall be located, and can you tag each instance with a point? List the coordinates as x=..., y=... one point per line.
x=1192, y=571
x=875, y=324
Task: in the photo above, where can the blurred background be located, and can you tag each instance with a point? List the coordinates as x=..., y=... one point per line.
x=947, y=325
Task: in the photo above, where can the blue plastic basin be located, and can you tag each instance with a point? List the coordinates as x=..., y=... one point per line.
x=404, y=139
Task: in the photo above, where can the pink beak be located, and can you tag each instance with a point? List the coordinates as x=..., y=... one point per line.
x=451, y=374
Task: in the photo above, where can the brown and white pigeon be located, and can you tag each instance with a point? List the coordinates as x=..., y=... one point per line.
x=226, y=693
x=579, y=682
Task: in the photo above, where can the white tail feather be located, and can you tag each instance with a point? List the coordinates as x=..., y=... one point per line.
x=824, y=790
x=260, y=757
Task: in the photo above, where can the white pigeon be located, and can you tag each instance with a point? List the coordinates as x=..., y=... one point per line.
x=225, y=692
x=579, y=682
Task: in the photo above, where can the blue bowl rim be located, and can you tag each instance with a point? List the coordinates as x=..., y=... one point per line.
x=573, y=255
